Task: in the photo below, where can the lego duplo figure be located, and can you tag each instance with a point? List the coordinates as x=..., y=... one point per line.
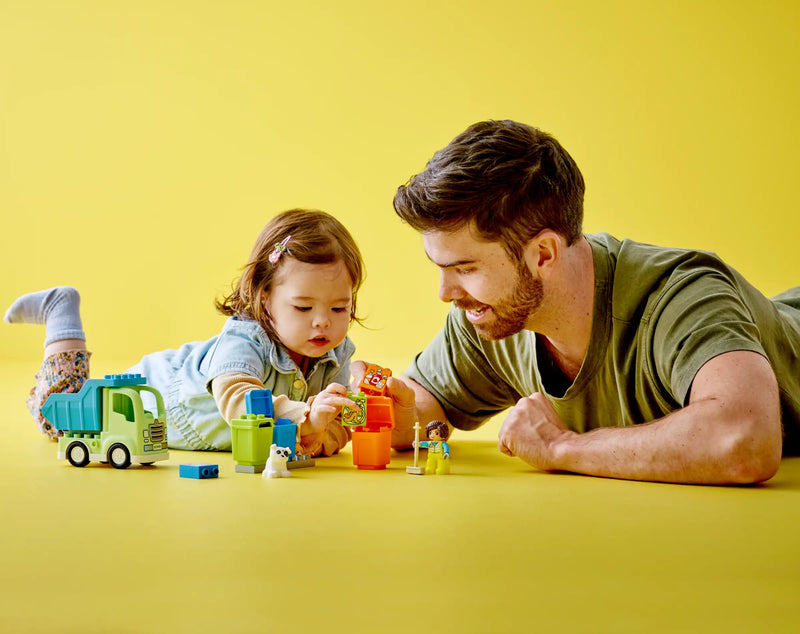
x=438, y=462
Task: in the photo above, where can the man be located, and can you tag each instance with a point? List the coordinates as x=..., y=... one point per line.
x=616, y=359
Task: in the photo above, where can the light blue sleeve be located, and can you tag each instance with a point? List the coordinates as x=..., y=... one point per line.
x=240, y=347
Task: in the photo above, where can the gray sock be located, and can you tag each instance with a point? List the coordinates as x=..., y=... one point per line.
x=58, y=308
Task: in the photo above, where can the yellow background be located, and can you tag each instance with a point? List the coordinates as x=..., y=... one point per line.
x=143, y=145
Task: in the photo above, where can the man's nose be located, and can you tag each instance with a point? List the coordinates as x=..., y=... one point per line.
x=449, y=289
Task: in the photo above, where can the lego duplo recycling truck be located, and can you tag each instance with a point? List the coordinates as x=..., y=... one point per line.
x=106, y=421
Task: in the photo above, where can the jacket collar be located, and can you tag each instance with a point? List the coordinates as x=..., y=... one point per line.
x=280, y=360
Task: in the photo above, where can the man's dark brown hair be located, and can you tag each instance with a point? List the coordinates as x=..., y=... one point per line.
x=510, y=179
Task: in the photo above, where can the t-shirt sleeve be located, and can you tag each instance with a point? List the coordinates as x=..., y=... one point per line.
x=696, y=319
x=455, y=370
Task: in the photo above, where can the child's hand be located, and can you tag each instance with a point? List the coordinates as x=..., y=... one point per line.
x=325, y=407
x=322, y=434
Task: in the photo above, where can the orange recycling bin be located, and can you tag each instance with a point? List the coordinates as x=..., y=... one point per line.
x=371, y=448
x=372, y=443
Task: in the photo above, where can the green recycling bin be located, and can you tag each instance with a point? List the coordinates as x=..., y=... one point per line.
x=251, y=437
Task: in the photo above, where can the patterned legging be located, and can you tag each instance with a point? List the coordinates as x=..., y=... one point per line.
x=61, y=372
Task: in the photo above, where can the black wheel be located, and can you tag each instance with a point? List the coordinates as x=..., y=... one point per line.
x=119, y=456
x=78, y=454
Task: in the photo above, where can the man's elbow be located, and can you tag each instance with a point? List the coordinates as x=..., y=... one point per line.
x=753, y=454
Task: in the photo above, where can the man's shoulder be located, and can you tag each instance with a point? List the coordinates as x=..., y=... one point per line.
x=632, y=254
x=640, y=273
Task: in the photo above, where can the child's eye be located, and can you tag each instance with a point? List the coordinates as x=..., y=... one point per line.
x=303, y=309
x=340, y=309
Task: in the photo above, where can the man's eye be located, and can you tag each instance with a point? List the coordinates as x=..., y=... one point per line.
x=464, y=271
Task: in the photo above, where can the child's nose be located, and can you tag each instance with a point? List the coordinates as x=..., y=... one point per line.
x=321, y=320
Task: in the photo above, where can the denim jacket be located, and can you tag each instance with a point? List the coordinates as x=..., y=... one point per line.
x=184, y=378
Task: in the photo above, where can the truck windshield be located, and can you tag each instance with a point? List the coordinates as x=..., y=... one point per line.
x=123, y=404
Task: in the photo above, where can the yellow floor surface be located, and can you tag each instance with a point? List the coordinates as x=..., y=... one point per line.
x=494, y=547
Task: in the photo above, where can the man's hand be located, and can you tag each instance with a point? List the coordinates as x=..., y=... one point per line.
x=532, y=431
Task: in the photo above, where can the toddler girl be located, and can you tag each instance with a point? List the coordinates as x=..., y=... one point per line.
x=289, y=313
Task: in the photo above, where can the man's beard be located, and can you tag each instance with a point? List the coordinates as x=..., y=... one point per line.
x=511, y=314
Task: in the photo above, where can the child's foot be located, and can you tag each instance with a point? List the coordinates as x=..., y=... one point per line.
x=58, y=308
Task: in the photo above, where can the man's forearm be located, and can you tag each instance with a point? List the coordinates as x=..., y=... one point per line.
x=677, y=448
x=424, y=409
x=730, y=432
x=703, y=443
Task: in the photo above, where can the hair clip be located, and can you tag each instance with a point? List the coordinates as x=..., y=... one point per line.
x=280, y=249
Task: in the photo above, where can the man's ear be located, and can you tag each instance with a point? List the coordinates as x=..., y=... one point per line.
x=543, y=252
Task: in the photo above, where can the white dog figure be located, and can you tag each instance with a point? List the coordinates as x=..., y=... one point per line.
x=276, y=463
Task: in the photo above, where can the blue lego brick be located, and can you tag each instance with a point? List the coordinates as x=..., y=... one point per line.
x=119, y=380
x=199, y=471
x=284, y=434
x=259, y=402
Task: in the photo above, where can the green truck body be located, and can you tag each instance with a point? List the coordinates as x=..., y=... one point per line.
x=106, y=421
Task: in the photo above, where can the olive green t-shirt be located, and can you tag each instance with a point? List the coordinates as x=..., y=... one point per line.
x=659, y=315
